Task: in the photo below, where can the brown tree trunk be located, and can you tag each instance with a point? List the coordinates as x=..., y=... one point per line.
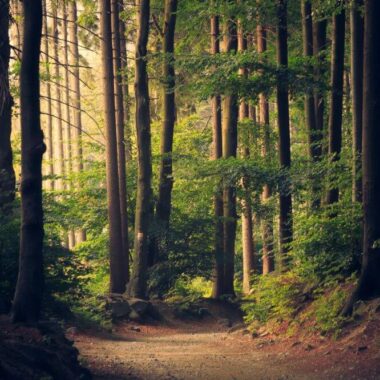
x=119, y=102
x=246, y=215
x=164, y=202
x=218, y=282
x=286, y=227
x=7, y=175
x=138, y=283
x=369, y=282
x=357, y=39
x=229, y=145
x=336, y=106
x=118, y=267
x=28, y=296
x=77, y=150
x=267, y=222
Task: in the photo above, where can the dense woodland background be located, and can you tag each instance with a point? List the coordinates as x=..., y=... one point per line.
x=189, y=149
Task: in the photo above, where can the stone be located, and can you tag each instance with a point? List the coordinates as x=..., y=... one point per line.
x=134, y=316
x=139, y=306
x=120, y=309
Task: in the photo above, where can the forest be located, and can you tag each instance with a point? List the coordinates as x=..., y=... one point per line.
x=189, y=189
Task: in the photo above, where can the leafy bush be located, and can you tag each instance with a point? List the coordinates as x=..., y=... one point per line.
x=191, y=288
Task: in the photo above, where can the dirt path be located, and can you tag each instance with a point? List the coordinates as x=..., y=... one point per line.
x=207, y=350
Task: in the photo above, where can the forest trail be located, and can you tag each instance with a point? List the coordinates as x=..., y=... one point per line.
x=209, y=350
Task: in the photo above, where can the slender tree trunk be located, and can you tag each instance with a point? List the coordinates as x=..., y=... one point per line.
x=369, y=282
x=336, y=107
x=267, y=222
x=118, y=267
x=28, y=296
x=7, y=175
x=319, y=50
x=218, y=283
x=229, y=144
x=357, y=40
x=286, y=227
x=138, y=284
x=76, y=135
x=246, y=215
x=58, y=146
x=49, y=117
x=164, y=202
x=119, y=102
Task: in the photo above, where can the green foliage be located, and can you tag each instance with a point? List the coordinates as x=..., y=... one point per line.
x=191, y=288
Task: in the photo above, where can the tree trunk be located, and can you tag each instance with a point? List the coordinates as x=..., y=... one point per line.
x=7, y=175
x=119, y=102
x=138, y=284
x=229, y=144
x=336, y=106
x=357, y=39
x=267, y=222
x=118, y=268
x=369, y=282
x=218, y=282
x=246, y=215
x=164, y=202
x=77, y=150
x=28, y=296
x=286, y=228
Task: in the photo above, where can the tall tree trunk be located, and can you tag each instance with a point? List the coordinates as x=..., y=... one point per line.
x=286, y=227
x=164, y=202
x=58, y=146
x=229, y=144
x=138, y=283
x=369, y=282
x=218, y=282
x=119, y=102
x=357, y=40
x=7, y=175
x=336, y=106
x=49, y=116
x=118, y=267
x=77, y=149
x=28, y=296
x=246, y=215
x=267, y=222
x=319, y=50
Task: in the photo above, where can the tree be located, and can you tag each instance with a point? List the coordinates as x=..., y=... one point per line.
x=286, y=227
x=218, y=269
x=120, y=119
x=164, y=203
x=7, y=175
x=357, y=40
x=28, y=296
x=118, y=264
x=229, y=149
x=267, y=223
x=336, y=106
x=138, y=282
x=369, y=282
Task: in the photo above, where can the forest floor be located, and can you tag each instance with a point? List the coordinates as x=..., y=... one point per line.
x=211, y=349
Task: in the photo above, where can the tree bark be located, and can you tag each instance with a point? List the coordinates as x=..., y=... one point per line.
x=118, y=267
x=357, y=57
x=218, y=273
x=369, y=282
x=286, y=227
x=229, y=147
x=7, y=174
x=164, y=202
x=28, y=296
x=336, y=106
x=119, y=102
x=267, y=222
x=138, y=283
